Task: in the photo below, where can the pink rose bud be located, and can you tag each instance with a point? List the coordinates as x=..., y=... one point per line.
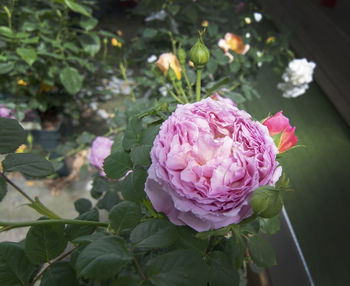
x=288, y=139
x=100, y=149
x=207, y=160
x=279, y=124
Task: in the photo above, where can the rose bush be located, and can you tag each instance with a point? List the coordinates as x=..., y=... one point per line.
x=207, y=160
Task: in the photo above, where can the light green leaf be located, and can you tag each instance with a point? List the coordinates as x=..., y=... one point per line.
x=103, y=259
x=31, y=165
x=270, y=225
x=117, y=164
x=58, y=274
x=125, y=215
x=261, y=251
x=71, y=80
x=88, y=23
x=12, y=135
x=154, y=233
x=6, y=31
x=77, y=7
x=90, y=43
x=45, y=242
x=178, y=268
x=15, y=268
x=27, y=54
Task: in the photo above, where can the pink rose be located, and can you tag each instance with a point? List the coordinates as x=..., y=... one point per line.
x=207, y=160
x=5, y=112
x=100, y=149
x=279, y=124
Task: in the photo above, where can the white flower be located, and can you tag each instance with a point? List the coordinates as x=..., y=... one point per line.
x=247, y=20
x=164, y=89
x=94, y=105
x=259, y=53
x=152, y=59
x=299, y=71
x=259, y=64
x=161, y=15
x=257, y=17
x=292, y=91
x=103, y=114
x=247, y=35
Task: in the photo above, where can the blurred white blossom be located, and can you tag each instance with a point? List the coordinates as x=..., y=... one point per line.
x=161, y=15
x=258, y=17
x=103, y=114
x=152, y=59
x=247, y=35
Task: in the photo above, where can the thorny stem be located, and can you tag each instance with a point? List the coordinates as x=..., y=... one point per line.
x=38, y=276
x=198, y=85
x=17, y=188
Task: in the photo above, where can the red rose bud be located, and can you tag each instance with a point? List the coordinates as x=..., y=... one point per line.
x=279, y=125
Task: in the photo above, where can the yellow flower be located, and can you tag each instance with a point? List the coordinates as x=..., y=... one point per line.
x=22, y=82
x=234, y=43
x=115, y=43
x=247, y=20
x=205, y=23
x=270, y=40
x=21, y=148
x=119, y=33
x=169, y=60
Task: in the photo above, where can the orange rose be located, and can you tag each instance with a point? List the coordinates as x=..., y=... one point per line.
x=169, y=60
x=234, y=43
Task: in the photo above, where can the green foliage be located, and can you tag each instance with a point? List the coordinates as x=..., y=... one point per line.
x=261, y=251
x=71, y=79
x=82, y=205
x=266, y=201
x=73, y=231
x=222, y=271
x=125, y=216
x=117, y=164
x=133, y=186
x=12, y=135
x=3, y=188
x=59, y=273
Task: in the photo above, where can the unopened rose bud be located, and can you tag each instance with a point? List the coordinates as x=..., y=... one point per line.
x=199, y=54
x=171, y=74
x=181, y=54
x=205, y=23
x=266, y=202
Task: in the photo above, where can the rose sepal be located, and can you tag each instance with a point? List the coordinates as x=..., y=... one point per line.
x=266, y=201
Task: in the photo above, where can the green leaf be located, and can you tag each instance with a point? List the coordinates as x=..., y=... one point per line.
x=132, y=134
x=27, y=54
x=149, y=134
x=77, y=7
x=100, y=185
x=117, y=164
x=270, y=225
x=214, y=86
x=12, y=135
x=85, y=138
x=71, y=80
x=127, y=280
x=178, y=268
x=88, y=23
x=235, y=96
x=133, y=186
x=90, y=43
x=6, y=67
x=154, y=233
x=222, y=271
x=109, y=200
x=82, y=205
x=261, y=251
x=31, y=165
x=3, y=188
x=140, y=155
x=15, y=268
x=45, y=242
x=58, y=274
x=149, y=33
x=235, y=248
x=6, y=31
x=266, y=202
x=74, y=230
x=87, y=239
x=125, y=215
x=103, y=259
x=187, y=239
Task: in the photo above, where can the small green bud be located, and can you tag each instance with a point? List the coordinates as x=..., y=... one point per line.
x=181, y=54
x=105, y=41
x=266, y=202
x=171, y=75
x=199, y=54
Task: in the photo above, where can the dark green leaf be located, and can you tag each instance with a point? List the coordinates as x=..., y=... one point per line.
x=266, y=202
x=117, y=164
x=110, y=199
x=117, y=144
x=87, y=239
x=149, y=134
x=222, y=271
x=12, y=135
x=100, y=185
x=154, y=233
x=3, y=188
x=140, y=155
x=82, y=205
x=103, y=259
x=125, y=215
x=45, y=242
x=133, y=186
x=252, y=227
x=270, y=225
x=58, y=274
x=127, y=280
x=31, y=165
x=71, y=79
x=15, y=268
x=27, y=54
x=132, y=134
x=88, y=23
x=74, y=230
x=235, y=248
x=187, y=239
x=261, y=251
x=90, y=43
x=6, y=67
x=74, y=6
x=149, y=33
x=178, y=268
x=214, y=86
